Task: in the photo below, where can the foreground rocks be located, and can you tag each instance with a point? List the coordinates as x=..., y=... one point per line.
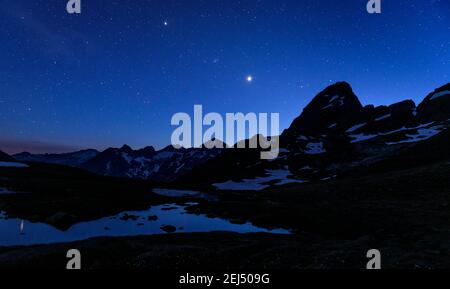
x=169, y=228
x=231, y=251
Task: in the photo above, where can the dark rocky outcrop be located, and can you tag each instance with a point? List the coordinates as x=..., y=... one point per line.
x=335, y=106
x=335, y=134
x=4, y=157
x=436, y=105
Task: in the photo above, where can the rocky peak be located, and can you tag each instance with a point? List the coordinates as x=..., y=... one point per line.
x=406, y=106
x=148, y=151
x=338, y=96
x=335, y=106
x=126, y=149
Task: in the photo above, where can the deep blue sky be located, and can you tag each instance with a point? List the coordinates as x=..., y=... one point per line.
x=116, y=74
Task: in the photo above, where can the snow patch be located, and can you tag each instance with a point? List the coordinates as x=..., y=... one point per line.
x=179, y=168
x=108, y=166
x=363, y=137
x=440, y=94
x=333, y=125
x=328, y=178
x=280, y=177
x=383, y=117
x=127, y=157
x=355, y=127
x=333, y=100
x=421, y=135
x=142, y=160
x=315, y=148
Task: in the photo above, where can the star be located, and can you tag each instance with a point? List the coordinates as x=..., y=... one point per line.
x=249, y=78
x=166, y=23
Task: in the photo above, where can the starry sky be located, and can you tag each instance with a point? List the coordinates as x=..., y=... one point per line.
x=117, y=72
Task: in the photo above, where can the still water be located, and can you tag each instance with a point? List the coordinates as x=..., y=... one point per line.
x=22, y=232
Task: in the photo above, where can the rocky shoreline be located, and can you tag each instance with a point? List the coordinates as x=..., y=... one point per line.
x=403, y=213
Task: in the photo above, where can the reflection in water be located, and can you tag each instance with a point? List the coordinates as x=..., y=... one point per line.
x=4, y=191
x=22, y=224
x=184, y=193
x=130, y=223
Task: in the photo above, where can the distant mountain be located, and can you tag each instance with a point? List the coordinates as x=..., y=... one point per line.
x=336, y=135
x=164, y=165
x=73, y=159
x=4, y=157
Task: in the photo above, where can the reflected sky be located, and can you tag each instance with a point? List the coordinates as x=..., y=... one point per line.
x=168, y=214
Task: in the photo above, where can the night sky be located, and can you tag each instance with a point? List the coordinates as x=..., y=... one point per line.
x=118, y=72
